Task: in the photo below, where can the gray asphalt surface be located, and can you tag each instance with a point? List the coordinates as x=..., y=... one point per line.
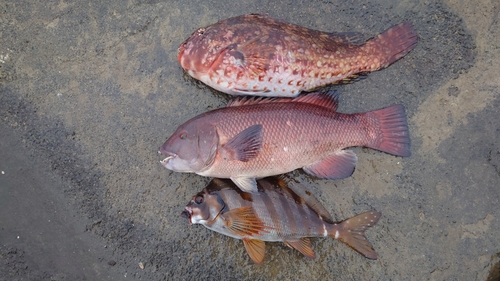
x=90, y=90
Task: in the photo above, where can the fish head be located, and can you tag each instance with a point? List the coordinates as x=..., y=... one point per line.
x=208, y=49
x=204, y=207
x=192, y=148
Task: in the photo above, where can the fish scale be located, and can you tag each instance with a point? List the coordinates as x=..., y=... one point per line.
x=275, y=213
x=255, y=138
x=283, y=123
x=259, y=55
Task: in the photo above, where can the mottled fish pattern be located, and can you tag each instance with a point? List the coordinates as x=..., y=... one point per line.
x=259, y=55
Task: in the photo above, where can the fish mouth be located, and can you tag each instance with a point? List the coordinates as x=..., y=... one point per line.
x=180, y=52
x=220, y=55
x=187, y=213
x=169, y=155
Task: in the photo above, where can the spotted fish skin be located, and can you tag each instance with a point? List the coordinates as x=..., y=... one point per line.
x=277, y=213
x=259, y=55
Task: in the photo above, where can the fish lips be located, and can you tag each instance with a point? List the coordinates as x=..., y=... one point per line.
x=187, y=213
x=170, y=155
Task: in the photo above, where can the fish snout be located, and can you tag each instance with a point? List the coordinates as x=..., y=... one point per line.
x=180, y=51
x=169, y=155
x=187, y=213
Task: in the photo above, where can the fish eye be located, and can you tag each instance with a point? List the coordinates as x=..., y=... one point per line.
x=201, y=31
x=198, y=199
x=183, y=135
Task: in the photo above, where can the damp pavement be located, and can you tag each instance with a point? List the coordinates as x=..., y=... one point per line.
x=89, y=91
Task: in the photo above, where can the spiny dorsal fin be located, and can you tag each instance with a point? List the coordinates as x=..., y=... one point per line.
x=244, y=222
x=328, y=100
x=303, y=245
x=256, y=249
x=310, y=201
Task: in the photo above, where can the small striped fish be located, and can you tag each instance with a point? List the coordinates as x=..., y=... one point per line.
x=275, y=213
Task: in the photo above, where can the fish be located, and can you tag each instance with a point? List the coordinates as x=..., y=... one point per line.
x=259, y=55
x=277, y=213
x=256, y=137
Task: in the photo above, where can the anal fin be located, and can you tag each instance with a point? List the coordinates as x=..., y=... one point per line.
x=256, y=249
x=303, y=245
x=337, y=166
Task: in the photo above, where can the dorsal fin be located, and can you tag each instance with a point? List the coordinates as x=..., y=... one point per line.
x=308, y=198
x=349, y=38
x=328, y=100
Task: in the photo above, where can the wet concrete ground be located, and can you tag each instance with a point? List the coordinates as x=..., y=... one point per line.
x=88, y=91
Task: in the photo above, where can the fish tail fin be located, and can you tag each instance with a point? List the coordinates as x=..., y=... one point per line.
x=395, y=43
x=352, y=232
x=393, y=136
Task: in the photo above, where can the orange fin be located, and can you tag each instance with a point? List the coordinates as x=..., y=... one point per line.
x=245, y=145
x=352, y=232
x=256, y=249
x=244, y=222
x=337, y=166
x=303, y=245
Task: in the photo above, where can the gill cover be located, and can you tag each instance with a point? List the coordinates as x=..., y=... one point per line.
x=192, y=148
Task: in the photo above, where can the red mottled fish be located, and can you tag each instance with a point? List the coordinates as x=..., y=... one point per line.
x=275, y=213
x=259, y=137
x=259, y=55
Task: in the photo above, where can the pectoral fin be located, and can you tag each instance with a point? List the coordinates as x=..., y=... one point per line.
x=245, y=145
x=303, y=245
x=338, y=166
x=256, y=249
x=244, y=222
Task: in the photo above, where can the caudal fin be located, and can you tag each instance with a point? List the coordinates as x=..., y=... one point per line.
x=352, y=232
x=393, y=136
x=395, y=42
